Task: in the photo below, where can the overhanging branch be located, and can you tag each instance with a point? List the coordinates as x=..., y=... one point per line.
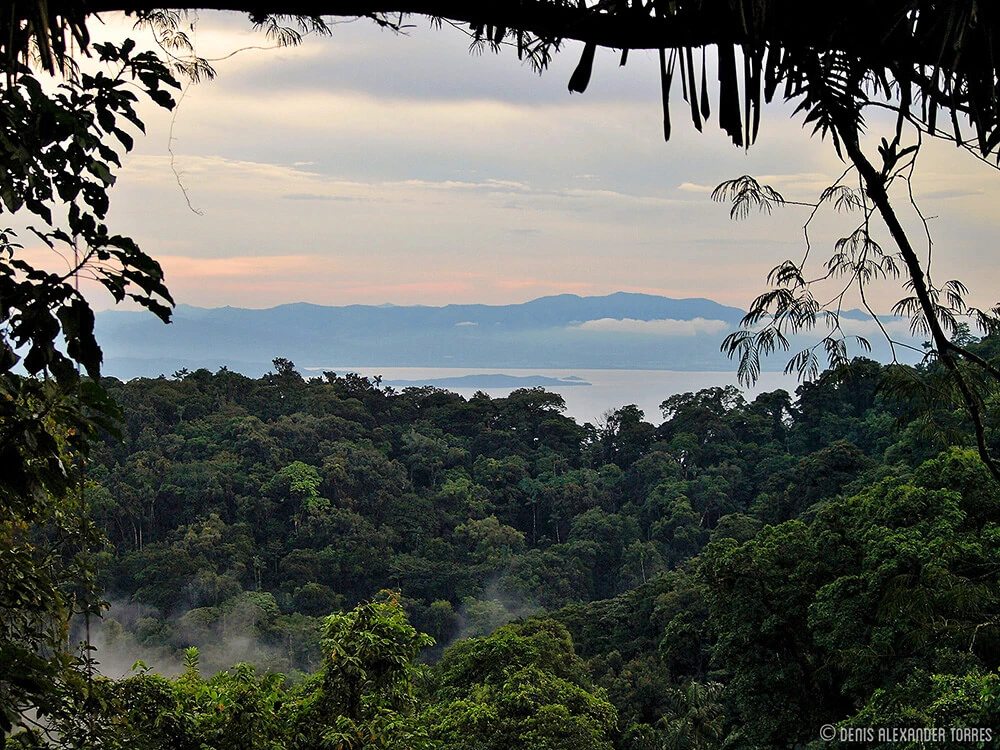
x=636, y=30
x=929, y=56
x=883, y=31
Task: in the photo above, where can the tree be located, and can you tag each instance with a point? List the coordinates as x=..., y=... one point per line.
x=625, y=435
x=833, y=616
x=58, y=152
x=229, y=710
x=698, y=718
x=521, y=686
x=296, y=487
x=489, y=541
x=363, y=695
x=920, y=60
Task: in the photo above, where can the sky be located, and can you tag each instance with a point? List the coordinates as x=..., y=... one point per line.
x=372, y=167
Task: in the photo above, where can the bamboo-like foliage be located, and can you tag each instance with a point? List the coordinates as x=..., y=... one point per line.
x=936, y=63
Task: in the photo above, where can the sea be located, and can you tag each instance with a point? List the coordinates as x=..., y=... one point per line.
x=608, y=389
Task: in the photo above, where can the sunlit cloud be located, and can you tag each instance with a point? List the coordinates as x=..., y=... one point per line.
x=547, y=286
x=241, y=267
x=690, y=187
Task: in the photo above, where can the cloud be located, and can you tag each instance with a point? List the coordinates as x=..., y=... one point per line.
x=465, y=324
x=541, y=286
x=807, y=182
x=318, y=197
x=662, y=327
x=488, y=186
x=264, y=266
x=291, y=182
x=798, y=185
x=691, y=187
x=947, y=194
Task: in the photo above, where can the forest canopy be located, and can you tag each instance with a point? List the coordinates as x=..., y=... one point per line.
x=643, y=583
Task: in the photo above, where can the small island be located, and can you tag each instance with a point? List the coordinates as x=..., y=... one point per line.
x=491, y=381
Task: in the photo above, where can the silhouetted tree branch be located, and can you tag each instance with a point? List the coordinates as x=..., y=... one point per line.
x=928, y=56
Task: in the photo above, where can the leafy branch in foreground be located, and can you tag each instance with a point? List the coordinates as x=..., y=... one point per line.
x=60, y=145
x=791, y=306
x=59, y=152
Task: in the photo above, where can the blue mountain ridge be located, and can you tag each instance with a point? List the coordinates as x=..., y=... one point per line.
x=542, y=333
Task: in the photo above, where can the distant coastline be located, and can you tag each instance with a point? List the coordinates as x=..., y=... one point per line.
x=606, y=389
x=550, y=336
x=491, y=381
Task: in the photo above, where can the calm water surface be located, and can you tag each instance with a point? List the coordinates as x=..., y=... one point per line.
x=609, y=389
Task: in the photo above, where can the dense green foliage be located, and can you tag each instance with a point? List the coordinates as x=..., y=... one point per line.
x=236, y=502
x=59, y=148
x=737, y=575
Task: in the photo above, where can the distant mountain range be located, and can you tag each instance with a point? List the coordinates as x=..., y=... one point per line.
x=619, y=331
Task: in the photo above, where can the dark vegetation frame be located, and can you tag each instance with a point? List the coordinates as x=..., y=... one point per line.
x=932, y=65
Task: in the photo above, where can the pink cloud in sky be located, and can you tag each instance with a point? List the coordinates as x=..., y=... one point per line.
x=238, y=268
x=545, y=286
